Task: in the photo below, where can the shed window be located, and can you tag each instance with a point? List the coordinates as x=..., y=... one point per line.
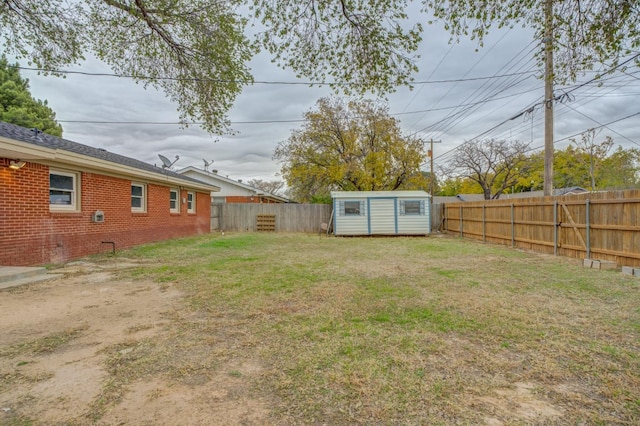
x=351, y=208
x=138, y=204
x=63, y=190
x=412, y=207
x=174, y=204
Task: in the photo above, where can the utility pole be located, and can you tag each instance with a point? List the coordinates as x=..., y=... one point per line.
x=548, y=99
x=431, y=176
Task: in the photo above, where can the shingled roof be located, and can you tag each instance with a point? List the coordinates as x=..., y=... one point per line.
x=38, y=138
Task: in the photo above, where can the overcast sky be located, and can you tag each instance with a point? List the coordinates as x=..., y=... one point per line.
x=432, y=110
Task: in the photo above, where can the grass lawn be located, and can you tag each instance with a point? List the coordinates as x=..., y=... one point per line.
x=399, y=330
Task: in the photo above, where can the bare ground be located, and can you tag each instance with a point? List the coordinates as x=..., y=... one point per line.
x=54, y=335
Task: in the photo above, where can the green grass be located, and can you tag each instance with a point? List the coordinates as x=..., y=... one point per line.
x=396, y=330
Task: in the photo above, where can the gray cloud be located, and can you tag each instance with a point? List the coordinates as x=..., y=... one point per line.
x=247, y=154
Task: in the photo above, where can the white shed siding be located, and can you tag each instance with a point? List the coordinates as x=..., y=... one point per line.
x=382, y=216
x=382, y=213
x=351, y=226
x=415, y=224
x=347, y=224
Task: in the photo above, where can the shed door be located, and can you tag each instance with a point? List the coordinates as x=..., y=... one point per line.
x=382, y=216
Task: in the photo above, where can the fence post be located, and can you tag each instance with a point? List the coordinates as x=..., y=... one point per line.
x=555, y=228
x=513, y=226
x=461, y=231
x=484, y=225
x=588, y=223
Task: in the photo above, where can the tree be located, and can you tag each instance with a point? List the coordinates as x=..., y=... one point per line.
x=455, y=185
x=197, y=51
x=593, y=152
x=17, y=106
x=350, y=146
x=494, y=164
x=270, y=186
x=585, y=33
x=616, y=171
x=621, y=170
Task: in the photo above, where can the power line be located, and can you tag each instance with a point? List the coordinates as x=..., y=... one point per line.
x=531, y=108
x=603, y=125
x=464, y=75
x=428, y=78
x=249, y=82
x=282, y=121
x=600, y=126
x=175, y=122
x=484, y=93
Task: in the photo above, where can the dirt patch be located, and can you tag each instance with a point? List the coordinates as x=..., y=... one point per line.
x=519, y=400
x=56, y=337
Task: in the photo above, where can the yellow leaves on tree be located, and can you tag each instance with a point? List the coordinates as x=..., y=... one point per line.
x=350, y=146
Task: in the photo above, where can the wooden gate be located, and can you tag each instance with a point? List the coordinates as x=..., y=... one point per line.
x=215, y=216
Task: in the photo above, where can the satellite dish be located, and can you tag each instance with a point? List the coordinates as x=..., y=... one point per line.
x=166, y=163
x=207, y=164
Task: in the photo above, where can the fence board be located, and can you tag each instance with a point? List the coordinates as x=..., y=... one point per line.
x=602, y=225
x=238, y=217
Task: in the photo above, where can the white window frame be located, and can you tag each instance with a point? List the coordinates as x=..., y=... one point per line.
x=75, y=192
x=191, y=202
x=174, y=208
x=143, y=197
x=351, y=210
x=411, y=211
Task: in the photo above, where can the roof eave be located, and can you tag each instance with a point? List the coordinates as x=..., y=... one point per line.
x=30, y=152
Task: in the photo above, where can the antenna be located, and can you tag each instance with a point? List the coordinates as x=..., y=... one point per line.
x=207, y=164
x=166, y=163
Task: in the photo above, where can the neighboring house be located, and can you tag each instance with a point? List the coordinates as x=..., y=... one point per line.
x=61, y=200
x=381, y=213
x=231, y=191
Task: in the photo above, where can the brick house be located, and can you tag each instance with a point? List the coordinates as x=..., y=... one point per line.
x=61, y=200
x=231, y=191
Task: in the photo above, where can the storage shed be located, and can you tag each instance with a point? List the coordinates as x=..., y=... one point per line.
x=381, y=213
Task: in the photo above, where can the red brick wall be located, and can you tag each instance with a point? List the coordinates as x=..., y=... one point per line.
x=31, y=235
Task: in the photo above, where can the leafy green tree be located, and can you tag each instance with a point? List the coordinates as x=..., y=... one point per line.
x=197, y=51
x=350, y=146
x=620, y=170
x=17, y=106
x=585, y=32
x=453, y=186
x=592, y=153
x=569, y=170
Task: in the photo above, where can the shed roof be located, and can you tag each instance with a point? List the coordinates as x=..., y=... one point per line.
x=32, y=145
x=378, y=194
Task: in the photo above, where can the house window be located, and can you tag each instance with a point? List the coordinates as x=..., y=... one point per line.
x=63, y=190
x=412, y=207
x=138, y=195
x=191, y=202
x=174, y=202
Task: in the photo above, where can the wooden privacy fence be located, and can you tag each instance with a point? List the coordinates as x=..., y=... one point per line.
x=239, y=217
x=602, y=225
